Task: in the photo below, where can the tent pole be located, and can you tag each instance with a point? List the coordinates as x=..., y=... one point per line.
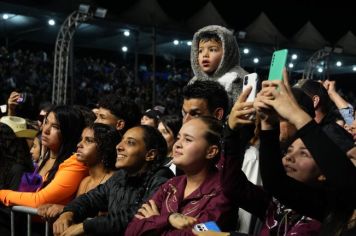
x=136, y=34
x=153, y=66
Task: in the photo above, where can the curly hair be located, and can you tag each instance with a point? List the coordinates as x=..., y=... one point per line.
x=13, y=150
x=106, y=138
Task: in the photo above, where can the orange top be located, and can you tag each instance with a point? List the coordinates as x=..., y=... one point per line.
x=60, y=190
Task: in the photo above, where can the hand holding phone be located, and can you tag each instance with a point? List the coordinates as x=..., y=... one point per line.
x=210, y=225
x=278, y=62
x=22, y=98
x=250, y=80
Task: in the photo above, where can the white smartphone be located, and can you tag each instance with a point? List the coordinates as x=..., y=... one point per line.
x=3, y=108
x=210, y=225
x=250, y=80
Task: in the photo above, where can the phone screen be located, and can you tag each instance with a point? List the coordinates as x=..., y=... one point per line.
x=278, y=62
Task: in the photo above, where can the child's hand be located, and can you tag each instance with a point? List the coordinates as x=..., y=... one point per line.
x=180, y=221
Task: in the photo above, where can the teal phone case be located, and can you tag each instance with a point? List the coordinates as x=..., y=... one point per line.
x=278, y=62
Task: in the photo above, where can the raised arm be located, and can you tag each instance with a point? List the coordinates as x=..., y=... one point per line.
x=345, y=108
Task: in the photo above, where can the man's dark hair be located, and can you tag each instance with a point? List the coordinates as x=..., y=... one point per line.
x=304, y=101
x=314, y=88
x=122, y=108
x=213, y=92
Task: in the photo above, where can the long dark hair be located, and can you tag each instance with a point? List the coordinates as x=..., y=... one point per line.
x=153, y=139
x=13, y=150
x=172, y=122
x=71, y=124
x=106, y=138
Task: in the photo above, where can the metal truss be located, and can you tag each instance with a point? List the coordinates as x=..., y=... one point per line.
x=313, y=61
x=62, y=56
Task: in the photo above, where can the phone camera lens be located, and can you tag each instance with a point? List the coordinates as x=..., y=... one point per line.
x=245, y=80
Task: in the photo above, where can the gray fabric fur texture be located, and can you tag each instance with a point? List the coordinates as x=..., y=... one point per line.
x=229, y=73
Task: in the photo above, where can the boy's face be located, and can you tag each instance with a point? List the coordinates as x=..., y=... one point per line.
x=210, y=54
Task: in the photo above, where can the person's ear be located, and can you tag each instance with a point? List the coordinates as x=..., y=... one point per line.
x=120, y=124
x=316, y=100
x=151, y=155
x=213, y=150
x=219, y=113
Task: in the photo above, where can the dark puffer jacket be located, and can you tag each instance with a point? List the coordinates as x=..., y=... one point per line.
x=120, y=196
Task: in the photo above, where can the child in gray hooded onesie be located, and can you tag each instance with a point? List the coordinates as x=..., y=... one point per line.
x=215, y=56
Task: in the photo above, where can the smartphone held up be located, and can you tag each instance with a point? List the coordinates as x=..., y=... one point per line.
x=250, y=80
x=278, y=62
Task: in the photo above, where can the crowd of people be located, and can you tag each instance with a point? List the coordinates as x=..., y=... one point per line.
x=31, y=72
x=283, y=164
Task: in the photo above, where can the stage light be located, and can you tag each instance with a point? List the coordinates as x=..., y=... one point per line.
x=51, y=22
x=127, y=33
x=84, y=8
x=100, y=12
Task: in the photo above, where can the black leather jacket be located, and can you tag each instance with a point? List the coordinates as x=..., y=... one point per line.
x=120, y=196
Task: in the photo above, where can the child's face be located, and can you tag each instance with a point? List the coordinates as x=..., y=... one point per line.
x=35, y=150
x=210, y=54
x=145, y=120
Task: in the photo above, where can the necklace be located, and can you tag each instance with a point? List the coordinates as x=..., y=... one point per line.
x=100, y=182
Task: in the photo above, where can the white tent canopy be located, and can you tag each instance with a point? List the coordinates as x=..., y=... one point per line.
x=262, y=30
x=348, y=43
x=309, y=37
x=208, y=15
x=148, y=13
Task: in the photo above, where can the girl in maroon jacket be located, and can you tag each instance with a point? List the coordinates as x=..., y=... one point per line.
x=194, y=197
